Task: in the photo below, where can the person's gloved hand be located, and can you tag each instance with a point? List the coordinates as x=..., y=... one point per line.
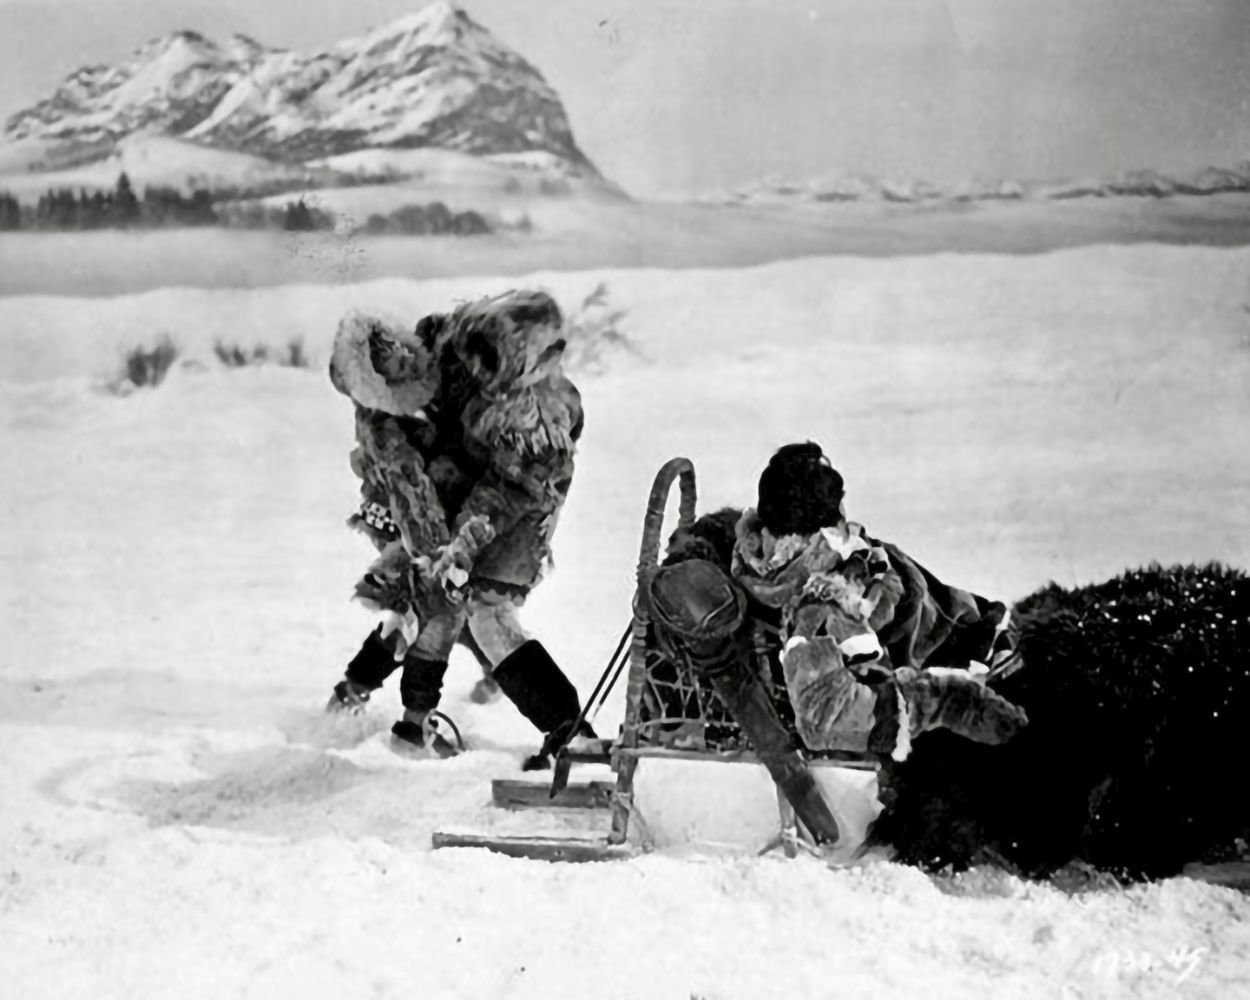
x=450, y=568
x=387, y=584
x=433, y=597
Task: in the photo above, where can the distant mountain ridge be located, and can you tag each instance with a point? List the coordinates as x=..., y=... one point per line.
x=432, y=79
x=860, y=187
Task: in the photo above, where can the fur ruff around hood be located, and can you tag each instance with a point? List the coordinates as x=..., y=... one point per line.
x=837, y=564
x=381, y=366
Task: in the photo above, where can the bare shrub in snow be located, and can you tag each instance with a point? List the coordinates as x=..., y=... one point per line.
x=292, y=355
x=593, y=333
x=145, y=365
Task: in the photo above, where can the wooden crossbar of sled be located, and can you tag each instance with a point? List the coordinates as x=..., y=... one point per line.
x=539, y=848
x=614, y=797
x=510, y=794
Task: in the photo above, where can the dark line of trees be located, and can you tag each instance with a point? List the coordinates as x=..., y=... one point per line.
x=63, y=209
x=297, y=217
x=120, y=208
x=435, y=219
x=10, y=212
x=294, y=216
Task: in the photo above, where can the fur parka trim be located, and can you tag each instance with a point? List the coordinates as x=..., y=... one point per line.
x=381, y=366
x=527, y=434
x=394, y=475
x=837, y=564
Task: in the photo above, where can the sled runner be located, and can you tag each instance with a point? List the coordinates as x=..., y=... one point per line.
x=678, y=722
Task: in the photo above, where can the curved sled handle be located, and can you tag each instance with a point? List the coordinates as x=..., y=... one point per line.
x=648, y=562
x=653, y=524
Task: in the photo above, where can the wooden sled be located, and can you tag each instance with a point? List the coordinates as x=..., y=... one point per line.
x=641, y=736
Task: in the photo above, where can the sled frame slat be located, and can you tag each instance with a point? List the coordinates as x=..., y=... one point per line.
x=508, y=793
x=742, y=757
x=538, y=848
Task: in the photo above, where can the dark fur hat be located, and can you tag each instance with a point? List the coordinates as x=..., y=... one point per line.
x=799, y=491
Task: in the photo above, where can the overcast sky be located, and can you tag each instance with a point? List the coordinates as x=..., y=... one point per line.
x=671, y=97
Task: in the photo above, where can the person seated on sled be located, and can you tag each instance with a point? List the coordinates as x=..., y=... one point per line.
x=865, y=631
x=460, y=491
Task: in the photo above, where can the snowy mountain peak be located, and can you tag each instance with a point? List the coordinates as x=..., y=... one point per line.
x=244, y=47
x=437, y=23
x=192, y=40
x=431, y=79
x=168, y=84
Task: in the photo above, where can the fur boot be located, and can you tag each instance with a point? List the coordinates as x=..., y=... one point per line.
x=536, y=685
x=421, y=684
x=420, y=688
x=418, y=730
x=956, y=701
x=366, y=672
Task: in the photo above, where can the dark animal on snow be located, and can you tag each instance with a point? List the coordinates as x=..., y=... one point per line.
x=1138, y=696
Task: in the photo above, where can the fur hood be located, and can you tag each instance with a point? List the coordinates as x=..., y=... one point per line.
x=507, y=342
x=525, y=416
x=382, y=367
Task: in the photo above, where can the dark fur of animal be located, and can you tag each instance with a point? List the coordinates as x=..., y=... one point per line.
x=710, y=537
x=799, y=491
x=1138, y=696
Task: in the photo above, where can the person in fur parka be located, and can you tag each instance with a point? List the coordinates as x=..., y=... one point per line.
x=871, y=655
x=462, y=497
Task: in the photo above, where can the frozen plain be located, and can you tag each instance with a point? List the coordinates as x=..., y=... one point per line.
x=180, y=820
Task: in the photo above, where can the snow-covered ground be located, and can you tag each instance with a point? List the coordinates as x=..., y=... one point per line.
x=179, y=819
